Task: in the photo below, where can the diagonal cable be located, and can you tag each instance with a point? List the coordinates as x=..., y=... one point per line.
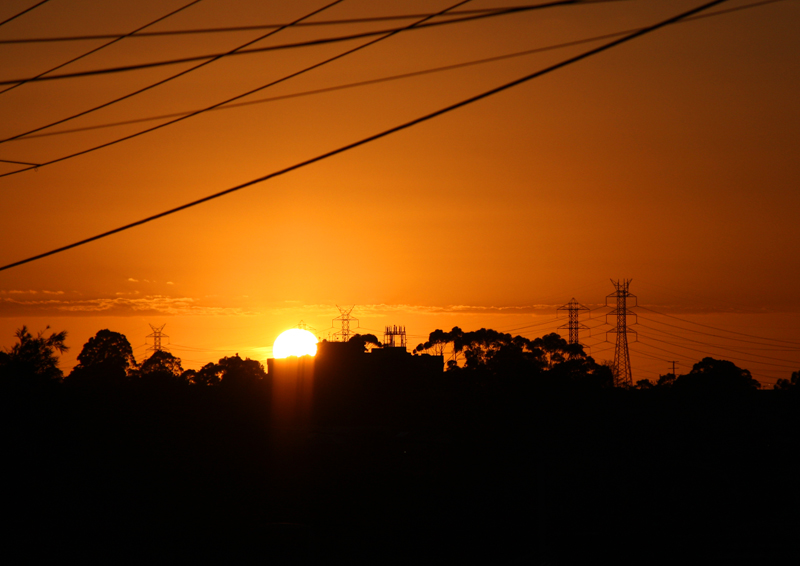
x=96, y=49
x=323, y=41
x=25, y=11
x=237, y=97
x=161, y=82
x=374, y=137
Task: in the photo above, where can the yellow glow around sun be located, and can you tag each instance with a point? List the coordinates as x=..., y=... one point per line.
x=294, y=342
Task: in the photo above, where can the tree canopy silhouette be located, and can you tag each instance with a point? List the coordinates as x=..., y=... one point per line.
x=716, y=375
x=792, y=384
x=160, y=368
x=107, y=358
x=34, y=360
x=365, y=340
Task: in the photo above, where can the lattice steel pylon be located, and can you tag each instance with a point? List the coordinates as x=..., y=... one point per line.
x=573, y=324
x=623, y=376
x=344, y=317
x=157, y=335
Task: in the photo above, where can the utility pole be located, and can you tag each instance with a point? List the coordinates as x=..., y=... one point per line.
x=344, y=317
x=157, y=335
x=573, y=325
x=673, y=362
x=623, y=376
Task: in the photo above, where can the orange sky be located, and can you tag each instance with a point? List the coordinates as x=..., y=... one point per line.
x=672, y=160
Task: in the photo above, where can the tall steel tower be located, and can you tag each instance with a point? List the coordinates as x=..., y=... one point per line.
x=157, y=335
x=344, y=317
x=623, y=376
x=573, y=325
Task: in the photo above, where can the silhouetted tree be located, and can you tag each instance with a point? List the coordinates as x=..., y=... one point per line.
x=238, y=372
x=33, y=360
x=365, y=340
x=160, y=368
x=666, y=380
x=438, y=341
x=209, y=374
x=107, y=358
x=792, y=384
x=492, y=353
x=557, y=350
x=716, y=375
x=580, y=372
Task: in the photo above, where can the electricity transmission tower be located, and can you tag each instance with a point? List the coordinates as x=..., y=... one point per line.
x=573, y=325
x=157, y=335
x=623, y=376
x=344, y=317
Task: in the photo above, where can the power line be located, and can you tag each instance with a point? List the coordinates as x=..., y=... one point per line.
x=227, y=106
x=31, y=134
x=373, y=137
x=713, y=335
x=167, y=79
x=25, y=11
x=722, y=329
x=196, y=31
x=705, y=353
x=715, y=346
x=314, y=42
x=214, y=106
x=96, y=49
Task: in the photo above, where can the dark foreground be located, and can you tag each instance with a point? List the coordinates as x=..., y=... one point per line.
x=511, y=477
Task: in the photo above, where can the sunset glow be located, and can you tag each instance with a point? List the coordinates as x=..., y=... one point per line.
x=671, y=160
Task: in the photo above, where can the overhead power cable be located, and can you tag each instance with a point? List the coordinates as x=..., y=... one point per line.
x=713, y=346
x=705, y=352
x=25, y=11
x=323, y=41
x=29, y=135
x=720, y=329
x=167, y=79
x=760, y=343
x=226, y=106
x=238, y=96
x=197, y=31
x=96, y=49
x=377, y=136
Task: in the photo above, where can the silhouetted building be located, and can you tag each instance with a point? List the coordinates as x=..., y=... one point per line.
x=345, y=381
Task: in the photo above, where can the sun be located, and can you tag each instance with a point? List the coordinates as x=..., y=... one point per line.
x=294, y=342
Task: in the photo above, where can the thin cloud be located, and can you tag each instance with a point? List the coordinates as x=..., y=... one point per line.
x=114, y=306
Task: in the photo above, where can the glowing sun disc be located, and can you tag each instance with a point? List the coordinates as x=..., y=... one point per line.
x=294, y=342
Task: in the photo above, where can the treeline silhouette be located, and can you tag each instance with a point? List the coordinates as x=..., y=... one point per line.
x=522, y=451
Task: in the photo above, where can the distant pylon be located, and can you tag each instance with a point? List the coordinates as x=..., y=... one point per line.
x=623, y=376
x=344, y=317
x=573, y=325
x=157, y=335
x=303, y=326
